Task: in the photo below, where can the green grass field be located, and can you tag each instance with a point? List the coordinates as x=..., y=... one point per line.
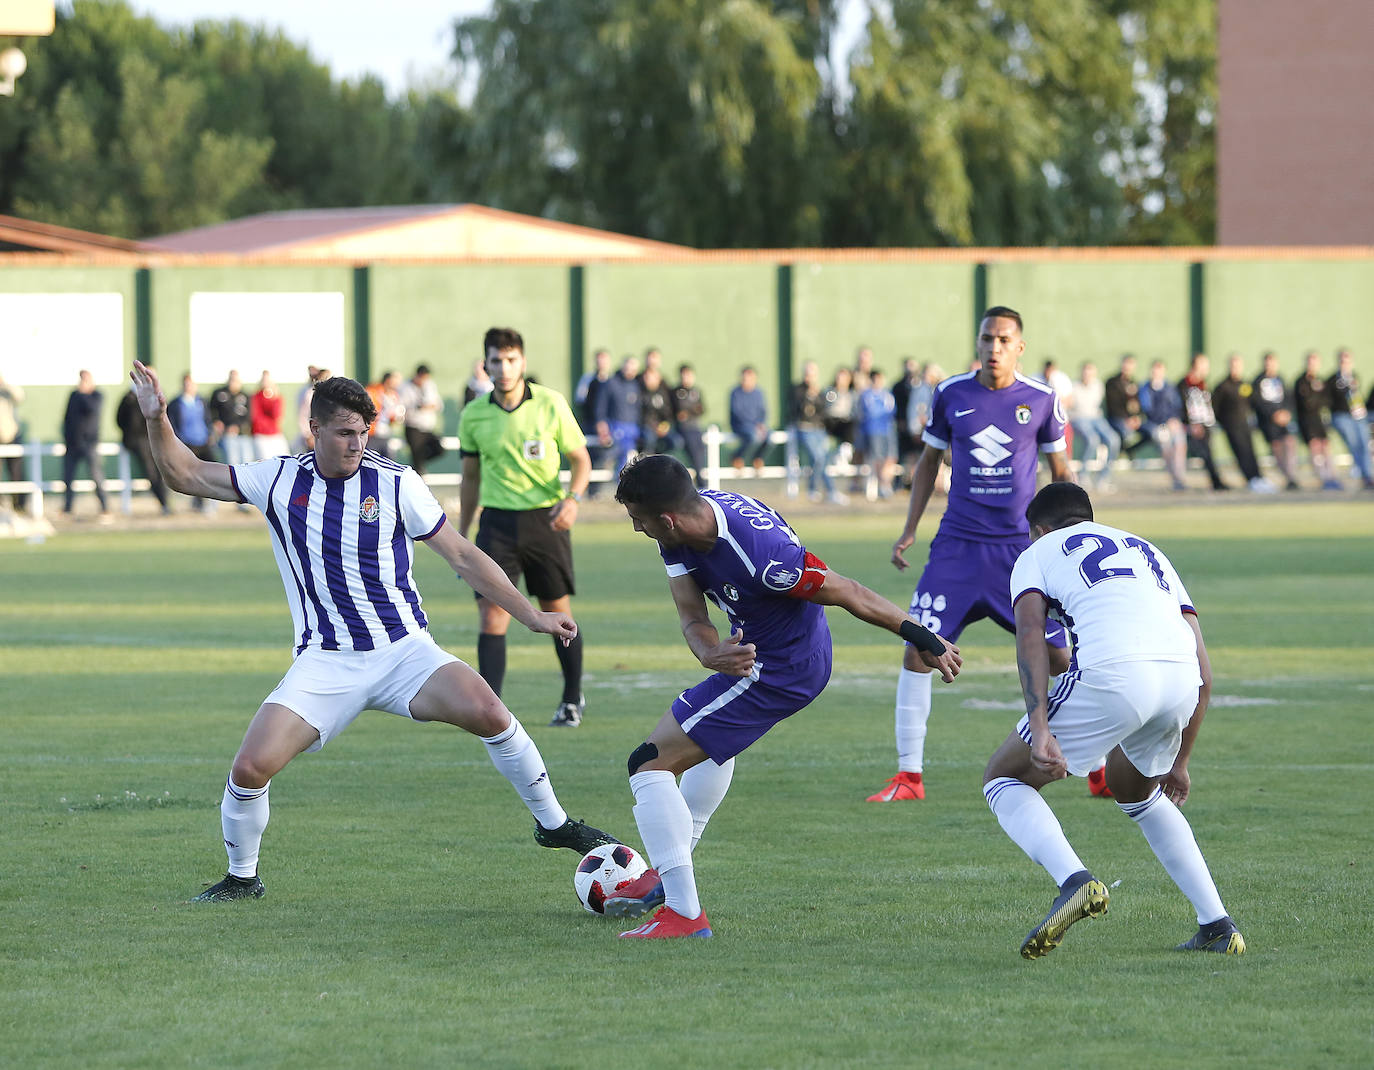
x=410, y=921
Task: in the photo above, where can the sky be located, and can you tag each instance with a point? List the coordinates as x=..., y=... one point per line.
x=401, y=41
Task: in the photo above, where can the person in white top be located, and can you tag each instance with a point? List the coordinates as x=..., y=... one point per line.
x=344, y=521
x=1089, y=422
x=1136, y=689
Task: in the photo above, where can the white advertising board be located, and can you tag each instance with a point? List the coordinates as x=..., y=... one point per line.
x=281, y=333
x=47, y=339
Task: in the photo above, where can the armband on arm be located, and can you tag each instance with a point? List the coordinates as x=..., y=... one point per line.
x=811, y=579
x=921, y=638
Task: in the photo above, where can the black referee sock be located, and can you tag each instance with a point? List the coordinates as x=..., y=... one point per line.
x=570, y=658
x=491, y=660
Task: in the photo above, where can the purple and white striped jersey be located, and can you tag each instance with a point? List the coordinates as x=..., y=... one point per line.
x=344, y=546
x=995, y=438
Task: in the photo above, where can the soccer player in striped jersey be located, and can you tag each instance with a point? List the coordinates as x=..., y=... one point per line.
x=1137, y=690
x=344, y=521
x=741, y=555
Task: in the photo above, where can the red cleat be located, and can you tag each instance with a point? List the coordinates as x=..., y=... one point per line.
x=903, y=786
x=635, y=897
x=1097, y=783
x=668, y=923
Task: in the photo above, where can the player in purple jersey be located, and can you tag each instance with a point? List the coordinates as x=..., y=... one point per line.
x=743, y=556
x=995, y=422
x=343, y=521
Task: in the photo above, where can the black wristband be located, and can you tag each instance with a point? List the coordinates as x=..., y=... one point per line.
x=921, y=638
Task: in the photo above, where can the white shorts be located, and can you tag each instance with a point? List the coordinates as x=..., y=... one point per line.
x=329, y=688
x=1141, y=705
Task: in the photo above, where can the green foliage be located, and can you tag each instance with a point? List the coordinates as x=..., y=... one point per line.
x=410, y=920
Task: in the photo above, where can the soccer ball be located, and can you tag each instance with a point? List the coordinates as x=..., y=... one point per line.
x=604, y=869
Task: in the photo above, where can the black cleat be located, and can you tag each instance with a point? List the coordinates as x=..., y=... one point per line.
x=1081, y=896
x=572, y=834
x=569, y=714
x=232, y=888
x=1220, y=936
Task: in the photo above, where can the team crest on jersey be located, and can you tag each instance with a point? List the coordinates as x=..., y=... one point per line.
x=1023, y=414
x=779, y=577
x=730, y=591
x=534, y=449
x=369, y=510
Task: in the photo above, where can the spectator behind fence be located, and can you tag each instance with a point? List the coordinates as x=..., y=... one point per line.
x=688, y=409
x=807, y=418
x=479, y=383
x=749, y=419
x=389, y=426
x=1272, y=403
x=922, y=398
x=1090, y=424
x=424, y=407
x=190, y=419
x=1231, y=403
x=584, y=397
x=617, y=413
x=133, y=431
x=655, y=412
x=1349, y=416
x=908, y=440
x=1162, y=408
x=878, y=421
x=264, y=416
x=230, y=420
x=1197, y=411
x=839, y=415
x=1121, y=399
x=81, y=434
x=1311, y=400
x=11, y=397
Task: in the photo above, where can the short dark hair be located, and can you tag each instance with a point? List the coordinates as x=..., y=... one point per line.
x=1058, y=504
x=502, y=338
x=658, y=482
x=337, y=393
x=421, y=369
x=1003, y=312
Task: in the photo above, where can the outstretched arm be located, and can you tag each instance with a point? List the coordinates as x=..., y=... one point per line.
x=922, y=486
x=485, y=577
x=872, y=608
x=181, y=469
x=1176, y=782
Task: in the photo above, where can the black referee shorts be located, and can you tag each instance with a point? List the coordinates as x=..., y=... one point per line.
x=521, y=541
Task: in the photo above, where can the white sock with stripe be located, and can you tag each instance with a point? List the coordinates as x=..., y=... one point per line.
x=1171, y=839
x=1032, y=826
x=243, y=814
x=665, y=827
x=703, y=787
x=517, y=758
x=913, y=713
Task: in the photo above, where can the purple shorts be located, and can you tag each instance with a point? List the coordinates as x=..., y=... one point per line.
x=965, y=581
x=723, y=715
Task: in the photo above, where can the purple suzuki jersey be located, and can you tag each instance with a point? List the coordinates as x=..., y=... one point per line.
x=753, y=573
x=995, y=438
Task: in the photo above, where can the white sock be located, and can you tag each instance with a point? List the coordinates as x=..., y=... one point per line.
x=518, y=760
x=1171, y=839
x=1032, y=826
x=665, y=827
x=913, y=711
x=243, y=815
x=703, y=787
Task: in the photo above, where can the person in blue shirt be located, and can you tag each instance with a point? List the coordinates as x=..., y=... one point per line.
x=878, y=421
x=191, y=421
x=749, y=419
x=1161, y=405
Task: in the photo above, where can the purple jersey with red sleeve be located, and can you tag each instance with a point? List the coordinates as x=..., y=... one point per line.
x=995, y=438
x=760, y=575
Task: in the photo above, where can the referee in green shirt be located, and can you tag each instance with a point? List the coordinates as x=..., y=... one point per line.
x=512, y=442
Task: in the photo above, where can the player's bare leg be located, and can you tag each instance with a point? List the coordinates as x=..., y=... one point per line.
x=1171, y=838
x=456, y=695
x=275, y=736
x=1011, y=785
x=665, y=827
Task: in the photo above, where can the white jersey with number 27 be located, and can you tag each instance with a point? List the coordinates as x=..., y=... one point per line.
x=1117, y=594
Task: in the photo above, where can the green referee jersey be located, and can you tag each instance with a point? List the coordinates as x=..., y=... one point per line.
x=520, y=450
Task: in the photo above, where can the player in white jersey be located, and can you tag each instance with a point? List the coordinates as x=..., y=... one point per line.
x=1136, y=690
x=344, y=521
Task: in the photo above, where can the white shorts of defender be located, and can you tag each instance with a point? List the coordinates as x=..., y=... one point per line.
x=329, y=688
x=1141, y=705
